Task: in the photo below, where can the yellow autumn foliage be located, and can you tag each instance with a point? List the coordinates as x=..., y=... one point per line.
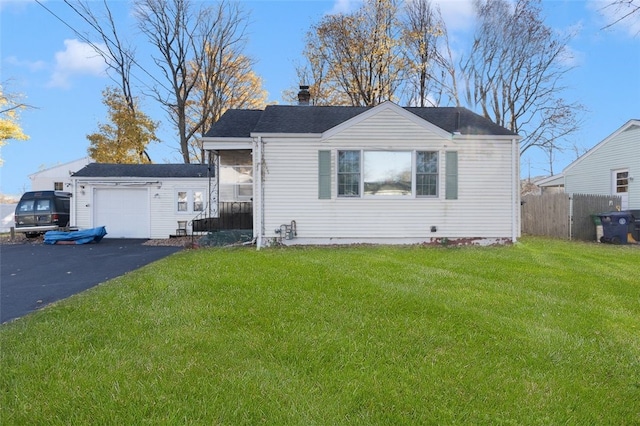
x=124, y=140
x=9, y=115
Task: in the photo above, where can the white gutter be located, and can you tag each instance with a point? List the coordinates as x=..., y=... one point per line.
x=258, y=203
x=74, y=203
x=515, y=215
x=119, y=182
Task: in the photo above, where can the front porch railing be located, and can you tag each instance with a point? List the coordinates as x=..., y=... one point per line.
x=232, y=215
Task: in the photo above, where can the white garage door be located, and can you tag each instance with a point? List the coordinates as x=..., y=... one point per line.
x=123, y=211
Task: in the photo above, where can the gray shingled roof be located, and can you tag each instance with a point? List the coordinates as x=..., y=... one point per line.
x=235, y=123
x=318, y=119
x=143, y=170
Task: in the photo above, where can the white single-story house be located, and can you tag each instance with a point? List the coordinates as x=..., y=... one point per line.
x=58, y=177
x=612, y=167
x=383, y=174
x=142, y=200
x=551, y=184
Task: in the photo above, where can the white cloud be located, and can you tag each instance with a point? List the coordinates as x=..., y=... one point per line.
x=345, y=6
x=458, y=15
x=615, y=15
x=30, y=65
x=15, y=5
x=571, y=57
x=78, y=58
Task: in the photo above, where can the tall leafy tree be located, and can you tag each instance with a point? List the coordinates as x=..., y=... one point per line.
x=199, y=53
x=117, y=54
x=229, y=83
x=356, y=56
x=422, y=29
x=192, y=39
x=125, y=138
x=10, y=107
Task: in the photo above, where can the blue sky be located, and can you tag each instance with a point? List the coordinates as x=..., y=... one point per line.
x=44, y=60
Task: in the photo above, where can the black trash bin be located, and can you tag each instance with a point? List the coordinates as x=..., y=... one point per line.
x=615, y=226
x=635, y=226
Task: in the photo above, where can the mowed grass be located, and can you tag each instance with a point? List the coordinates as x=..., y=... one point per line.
x=544, y=332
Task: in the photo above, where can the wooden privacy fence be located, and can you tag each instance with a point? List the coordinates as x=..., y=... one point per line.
x=564, y=216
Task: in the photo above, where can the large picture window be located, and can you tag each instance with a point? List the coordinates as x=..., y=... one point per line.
x=388, y=173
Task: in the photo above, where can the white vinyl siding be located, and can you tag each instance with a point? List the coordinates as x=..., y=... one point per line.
x=190, y=201
x=592, y=174
x=483, y=209
x=160, y=197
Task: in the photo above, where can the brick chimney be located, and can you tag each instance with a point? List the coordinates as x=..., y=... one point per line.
x=304, y=96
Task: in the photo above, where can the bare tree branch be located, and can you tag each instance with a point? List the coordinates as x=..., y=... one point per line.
x=192, y=42
x=515, y=72
x=623, y=11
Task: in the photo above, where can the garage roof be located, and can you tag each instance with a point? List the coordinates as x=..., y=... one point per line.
x=144, y=170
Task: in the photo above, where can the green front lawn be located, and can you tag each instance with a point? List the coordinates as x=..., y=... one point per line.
x=543, y=332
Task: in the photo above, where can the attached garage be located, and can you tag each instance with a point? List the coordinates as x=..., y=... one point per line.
x=123, y=211
x=142, y=200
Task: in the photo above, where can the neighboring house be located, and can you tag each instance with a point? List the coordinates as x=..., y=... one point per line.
x=57, y=178
x=141, y=200
x=383, y=174
x=551, y=184
x=612, y=167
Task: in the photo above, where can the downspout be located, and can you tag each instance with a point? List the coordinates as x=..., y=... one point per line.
x=515, y=161
x=258, y=218
x=214, y=157
x=74, y=214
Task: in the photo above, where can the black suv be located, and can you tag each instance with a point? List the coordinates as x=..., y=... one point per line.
x=42, y=211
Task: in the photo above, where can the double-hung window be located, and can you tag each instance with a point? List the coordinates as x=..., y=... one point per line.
x=388, y=173
x=622, y=181
x=190, y=201
x=426, y=174
x=348, y=173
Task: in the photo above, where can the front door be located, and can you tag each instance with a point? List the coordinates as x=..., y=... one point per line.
x=620, y=183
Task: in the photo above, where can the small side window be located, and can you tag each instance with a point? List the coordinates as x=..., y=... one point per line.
x=190, y=201
x=183, y=204
x=198, y=201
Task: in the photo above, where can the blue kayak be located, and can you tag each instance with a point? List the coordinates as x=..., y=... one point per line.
x=85, y=236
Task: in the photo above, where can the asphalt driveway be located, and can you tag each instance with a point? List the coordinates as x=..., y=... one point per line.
x=35, y=275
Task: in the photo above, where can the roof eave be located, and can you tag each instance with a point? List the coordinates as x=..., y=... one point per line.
x=600, y=144
x=287, y=135
x=487, y=137
x=221, y=143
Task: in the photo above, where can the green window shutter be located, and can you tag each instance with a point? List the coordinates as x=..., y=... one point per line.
x=324, y=175
x=451, y=172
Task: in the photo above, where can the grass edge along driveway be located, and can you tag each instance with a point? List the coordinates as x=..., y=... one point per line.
x=542, y=332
